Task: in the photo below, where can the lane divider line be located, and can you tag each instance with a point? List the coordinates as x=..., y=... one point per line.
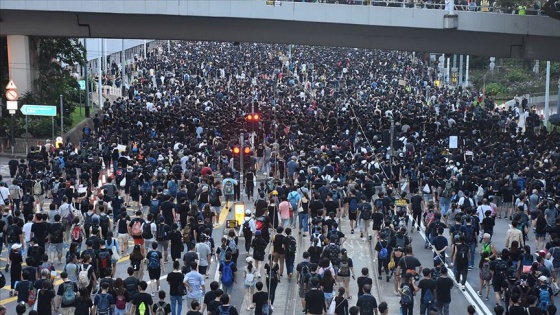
x=470, y=293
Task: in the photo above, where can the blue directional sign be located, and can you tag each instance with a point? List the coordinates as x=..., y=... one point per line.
x=38, y=110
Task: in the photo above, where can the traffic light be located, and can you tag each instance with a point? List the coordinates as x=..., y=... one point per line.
x=247, y=150
x=236, y=150
x=253, y=118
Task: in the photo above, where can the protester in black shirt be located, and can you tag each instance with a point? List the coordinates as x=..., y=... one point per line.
x=259, y=298
x=367, y=302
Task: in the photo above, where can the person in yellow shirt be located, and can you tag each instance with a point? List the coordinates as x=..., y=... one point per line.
x=484, y=5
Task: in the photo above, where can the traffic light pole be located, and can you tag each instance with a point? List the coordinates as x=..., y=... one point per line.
x=392, y=138
x=252, y=126
x=241, y=140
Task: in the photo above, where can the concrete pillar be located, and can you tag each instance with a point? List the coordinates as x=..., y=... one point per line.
x=21, y=64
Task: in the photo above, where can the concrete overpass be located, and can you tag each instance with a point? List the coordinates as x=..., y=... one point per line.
x=476, y=33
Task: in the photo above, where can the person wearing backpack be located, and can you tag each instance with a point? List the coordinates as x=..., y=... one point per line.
x=408, y=290
x=228, y=270
x=346, y=269
x=38, y=192
x=104, y=260
x=135, y=230
x=161, y=307
x=130, y=283
x=290, y=246
x=104, y=222
x=365, y=212
x=56, y=235
x=247, y=229
x=384, y=250
x=279, y=249
x=460, y=256
x=155, y=267
x=163, y=232
x=226, y=308
x=104, y=302
x=353, y=203
x=66, y=295
x=428, y=290
x=303, y=275
x=121, y=296
x=228, y=188
x=470, y=233
x=544, y=293
x=149, y=231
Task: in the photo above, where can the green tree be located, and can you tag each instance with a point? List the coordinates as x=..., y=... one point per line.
x=56, y=58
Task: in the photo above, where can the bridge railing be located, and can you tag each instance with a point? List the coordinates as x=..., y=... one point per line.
x=463, y=5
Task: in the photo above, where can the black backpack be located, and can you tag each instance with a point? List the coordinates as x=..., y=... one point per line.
x=147, y=231
x=11, y=232
x=104, y=222
x=247, y=227
x=462, y=251
x=291, y=246
x=162, y=232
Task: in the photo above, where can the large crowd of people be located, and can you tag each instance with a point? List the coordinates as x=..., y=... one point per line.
x=345, y=136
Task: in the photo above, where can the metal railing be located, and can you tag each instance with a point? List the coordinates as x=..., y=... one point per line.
x=418, y=4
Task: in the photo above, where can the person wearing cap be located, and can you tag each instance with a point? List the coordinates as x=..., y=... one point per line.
x=544, y=299
x=16, y=260
x=247, y=229
x=249, y=276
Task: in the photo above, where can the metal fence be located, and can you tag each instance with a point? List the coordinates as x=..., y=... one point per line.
x=460, y=5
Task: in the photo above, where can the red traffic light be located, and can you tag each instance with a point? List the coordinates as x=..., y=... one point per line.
x=247, y=150
x=236, y=150
x=256, y=117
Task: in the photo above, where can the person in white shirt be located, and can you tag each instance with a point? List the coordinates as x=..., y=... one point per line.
x=481, y=210
x=27, y=230
x=4, y=193
x=247, y=229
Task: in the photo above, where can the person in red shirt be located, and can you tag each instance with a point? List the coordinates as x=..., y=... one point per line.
x=206, y=170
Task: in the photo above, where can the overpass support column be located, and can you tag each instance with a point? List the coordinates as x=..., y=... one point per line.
x=21, y=62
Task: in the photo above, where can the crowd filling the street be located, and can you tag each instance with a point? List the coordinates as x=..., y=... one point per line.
x=318, y=144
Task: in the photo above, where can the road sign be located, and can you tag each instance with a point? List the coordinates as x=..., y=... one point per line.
x=11, y=85
x=38, y=110
x=11, y=95
x=82, y=84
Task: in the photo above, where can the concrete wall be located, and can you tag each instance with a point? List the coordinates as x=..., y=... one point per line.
x=22, y=62
x=488, y=34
